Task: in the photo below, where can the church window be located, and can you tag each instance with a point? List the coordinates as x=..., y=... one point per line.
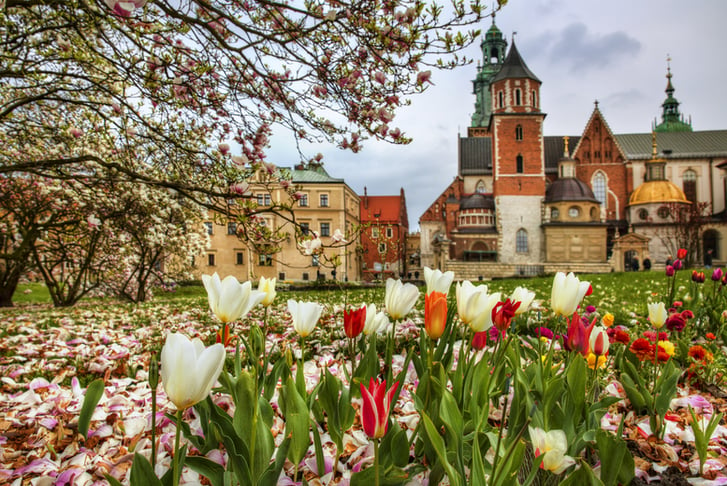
x=519, y=132
x=521, y=241
x=643, y=214
x=519, y=164
x=480, y=189
x=599, y=187
x=517, y=97
x=500, y=99
x=574, y=211
x=554, y=213
x=534, y=99
x=663, y=212
x=689, y=185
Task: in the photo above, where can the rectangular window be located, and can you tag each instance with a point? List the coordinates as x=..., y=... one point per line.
x=211, y=259
x=382, y=247
x=265, y=260
x=303, y=201
x=231, y=228
x=209, y=227
x=239, y=259
x=305, y=228
x=325, y=229
x=324, y=200
x=389, y=232
x=281, y=276
x=263, y=199
x=519, y=164
x=375, y=232
x=305, y=276
x=314, y=261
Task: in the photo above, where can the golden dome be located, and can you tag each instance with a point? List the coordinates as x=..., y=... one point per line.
x=657, y=192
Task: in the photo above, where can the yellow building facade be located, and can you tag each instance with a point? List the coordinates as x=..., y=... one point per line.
x=325, y=204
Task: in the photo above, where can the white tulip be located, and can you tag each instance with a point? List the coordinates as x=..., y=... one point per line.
x=552, y=446
x=438, y=281
x=189, y=370
x=305, y=316
x=524, y=296
x=400, y=298
x=474, y=305
x=657, y=314
x=267, y=285
x=375, y=321
x=229, y=300
x=567, y=294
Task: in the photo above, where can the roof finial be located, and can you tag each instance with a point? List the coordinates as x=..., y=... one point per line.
x=514, y=33
x=596, y=103
x=653, y=145
x=494, y=11
x=566, y=151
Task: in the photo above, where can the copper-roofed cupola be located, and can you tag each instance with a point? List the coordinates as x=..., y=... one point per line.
x=515, y=89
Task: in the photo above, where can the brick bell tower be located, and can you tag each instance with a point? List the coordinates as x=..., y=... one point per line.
x=518, y=167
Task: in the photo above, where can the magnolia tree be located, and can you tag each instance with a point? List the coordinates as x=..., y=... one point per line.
x=158, y=92
x=159, y=234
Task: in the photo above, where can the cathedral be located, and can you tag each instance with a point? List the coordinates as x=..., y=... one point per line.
x=523, y=203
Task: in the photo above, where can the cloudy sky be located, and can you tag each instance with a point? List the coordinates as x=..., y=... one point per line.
x=612, y=51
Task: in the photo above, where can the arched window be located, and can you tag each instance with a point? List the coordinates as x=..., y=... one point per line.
x=500, y=99
x=521, y=241
x=689, y=185
x=535, y=99
x=519, y=132
x=599, y=187
x=517, y=97
x=480, y=189
x=519, y=164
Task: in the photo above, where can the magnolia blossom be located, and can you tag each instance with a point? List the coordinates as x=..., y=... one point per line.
x=310, y=246
x=568, y=292
x=189, y=370
x=267, y=286
x=400, y=298
x=524, y=296
x=375, y=321
x=125, y=9
x=93, y=221
x=474, y=305
x=229, y=299
x=338, y=237
x=552, y=446
x=438, y=281
x=657, y=314
x=305, y=316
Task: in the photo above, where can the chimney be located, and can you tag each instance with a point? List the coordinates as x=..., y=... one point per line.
x=366, y=198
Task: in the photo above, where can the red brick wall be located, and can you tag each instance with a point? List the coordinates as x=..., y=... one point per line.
x=507, y=180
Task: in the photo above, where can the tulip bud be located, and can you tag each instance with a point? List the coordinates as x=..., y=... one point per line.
x=717, y=274
x=154, y=372
x=669, y=271
x=677, y=264
x=681, y=253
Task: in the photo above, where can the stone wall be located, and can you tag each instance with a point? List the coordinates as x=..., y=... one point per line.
x=474, y=270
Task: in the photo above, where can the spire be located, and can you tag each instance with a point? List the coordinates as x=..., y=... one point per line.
x=671, y=119
x=494, y=47
x=514, y=67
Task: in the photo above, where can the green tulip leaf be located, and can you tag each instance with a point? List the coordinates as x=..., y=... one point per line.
x=214, y=472
x=297, y=423
x=617, y=463
x=437, y=443
x=94, y=392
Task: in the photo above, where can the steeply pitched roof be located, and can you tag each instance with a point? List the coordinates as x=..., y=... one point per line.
x=514, y=67
x=475, y=156
x=710, y=143
x=382, y=209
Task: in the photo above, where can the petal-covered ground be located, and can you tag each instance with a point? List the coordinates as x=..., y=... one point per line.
x=49, y=356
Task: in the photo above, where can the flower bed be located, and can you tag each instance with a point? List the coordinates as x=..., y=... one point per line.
x=487, y=389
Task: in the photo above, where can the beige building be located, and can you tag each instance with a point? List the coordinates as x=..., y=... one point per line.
x=326, y=204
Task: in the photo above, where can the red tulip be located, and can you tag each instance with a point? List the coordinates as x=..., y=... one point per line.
x=579, y=335
x=353, y=322
x=224, y=336
x=376, y=407
x=503, y=312
x=435, y=313
x=479, y=340
x=681, y=253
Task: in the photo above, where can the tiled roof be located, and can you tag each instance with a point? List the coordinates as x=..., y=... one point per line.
x=711, y=143
x=514, y=67
x=380, y=208
x=553, y=146
x=475, y=155
x=313, y=174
